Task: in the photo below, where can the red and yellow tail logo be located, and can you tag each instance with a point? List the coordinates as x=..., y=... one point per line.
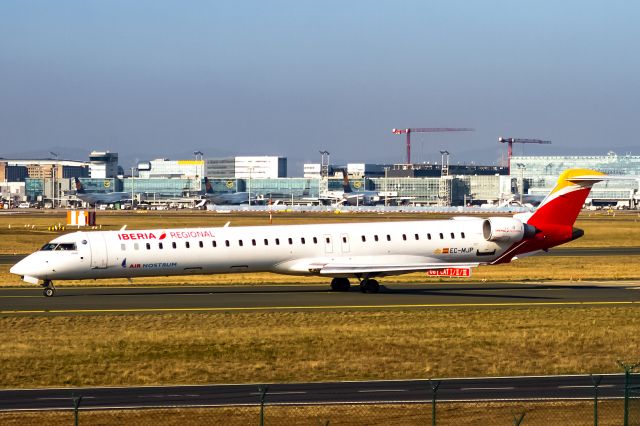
x=563, y=204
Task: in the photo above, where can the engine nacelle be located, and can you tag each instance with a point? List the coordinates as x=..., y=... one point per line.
x=506, y=229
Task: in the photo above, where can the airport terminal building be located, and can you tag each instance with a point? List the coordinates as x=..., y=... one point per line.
x=163, y=180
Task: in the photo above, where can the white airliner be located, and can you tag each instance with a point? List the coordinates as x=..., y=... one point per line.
x=363, y=251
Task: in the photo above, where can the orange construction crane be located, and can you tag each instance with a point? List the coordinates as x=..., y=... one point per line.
x=511, y=141
x=425, y=130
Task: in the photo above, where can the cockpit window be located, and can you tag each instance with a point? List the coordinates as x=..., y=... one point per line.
x=66, y=246
x=59, y=247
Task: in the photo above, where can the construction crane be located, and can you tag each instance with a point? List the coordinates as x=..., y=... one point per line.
x=511, y=141
x=425, y=130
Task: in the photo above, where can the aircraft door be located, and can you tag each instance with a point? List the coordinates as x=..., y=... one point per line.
x=328, y=243
x=344, y=240
x=98, y=251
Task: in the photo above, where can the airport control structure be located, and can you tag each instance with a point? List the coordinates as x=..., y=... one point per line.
x=50, y=182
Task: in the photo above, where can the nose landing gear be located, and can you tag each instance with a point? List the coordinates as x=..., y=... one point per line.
x=49, y=289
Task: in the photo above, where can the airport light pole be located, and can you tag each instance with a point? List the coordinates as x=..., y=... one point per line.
x=386, y=186
x=521, y=167
x=132, y=187
x=53, y=179
x=250, y=172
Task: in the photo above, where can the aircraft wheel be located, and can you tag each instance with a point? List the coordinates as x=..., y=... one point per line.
x=369, y=286
x=48, y=291
x=340, y=284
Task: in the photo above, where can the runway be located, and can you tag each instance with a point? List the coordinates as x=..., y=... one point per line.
x=398, y=391
x=247, y=298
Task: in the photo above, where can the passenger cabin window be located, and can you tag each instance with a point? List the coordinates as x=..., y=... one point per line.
x=375, y=237
x=253, y=242
x=160, y=246
x=277, y=241
x=266, y=242
x=453, y=236
x=226, y=243
x=123, y=247
x=302, y=240
x=135, y=246
x=290, y=241
x=441, y=236
x=315, y=240
x=404, y=237
x=240, y=243
x=201, y=244
x=417, y=237
x=388, y=237
x=462, y=234
x=148, y=246
x=364, y=239
x=214, y=244
x=186, y=244
x=174, y=245
x=328, y=239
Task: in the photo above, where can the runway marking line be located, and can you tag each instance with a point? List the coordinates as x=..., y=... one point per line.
x=503, y=388
x=274, y=308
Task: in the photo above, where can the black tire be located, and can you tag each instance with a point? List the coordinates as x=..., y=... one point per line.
x=48, y=292
x=369, y=286
x=340, y=284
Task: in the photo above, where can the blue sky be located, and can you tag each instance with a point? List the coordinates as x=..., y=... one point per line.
x=162, y=79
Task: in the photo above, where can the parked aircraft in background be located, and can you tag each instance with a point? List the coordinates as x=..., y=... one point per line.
x=93, y=198
x=364, y=251
x=226, y=198
x=350, y=197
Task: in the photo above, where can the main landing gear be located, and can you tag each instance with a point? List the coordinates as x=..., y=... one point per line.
x=49, y=289
x=367, y=285
x=340, y=284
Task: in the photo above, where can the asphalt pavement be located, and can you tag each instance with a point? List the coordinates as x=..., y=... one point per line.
x=398, y=391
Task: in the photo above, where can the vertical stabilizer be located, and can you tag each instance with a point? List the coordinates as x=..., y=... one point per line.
x=79, y=187
x=346, y=186
x=563, y=204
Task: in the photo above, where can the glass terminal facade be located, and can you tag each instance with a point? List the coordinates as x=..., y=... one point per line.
x=540, y=174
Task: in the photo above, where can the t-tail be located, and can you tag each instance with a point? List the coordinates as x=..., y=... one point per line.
x=554, y=218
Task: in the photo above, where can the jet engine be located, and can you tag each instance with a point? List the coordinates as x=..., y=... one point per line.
x=506, y=229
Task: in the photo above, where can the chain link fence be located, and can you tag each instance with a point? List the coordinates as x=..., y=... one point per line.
x=610, y=412
x=595, y=410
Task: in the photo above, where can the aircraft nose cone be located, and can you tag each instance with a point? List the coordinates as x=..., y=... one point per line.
x=19, y=268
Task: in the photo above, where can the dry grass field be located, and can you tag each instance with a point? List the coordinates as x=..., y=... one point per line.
x=145, y=349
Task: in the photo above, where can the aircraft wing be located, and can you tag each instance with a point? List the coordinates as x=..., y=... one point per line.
x=389, y=269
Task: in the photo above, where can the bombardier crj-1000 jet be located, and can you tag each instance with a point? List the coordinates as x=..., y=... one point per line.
x=364, y=251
